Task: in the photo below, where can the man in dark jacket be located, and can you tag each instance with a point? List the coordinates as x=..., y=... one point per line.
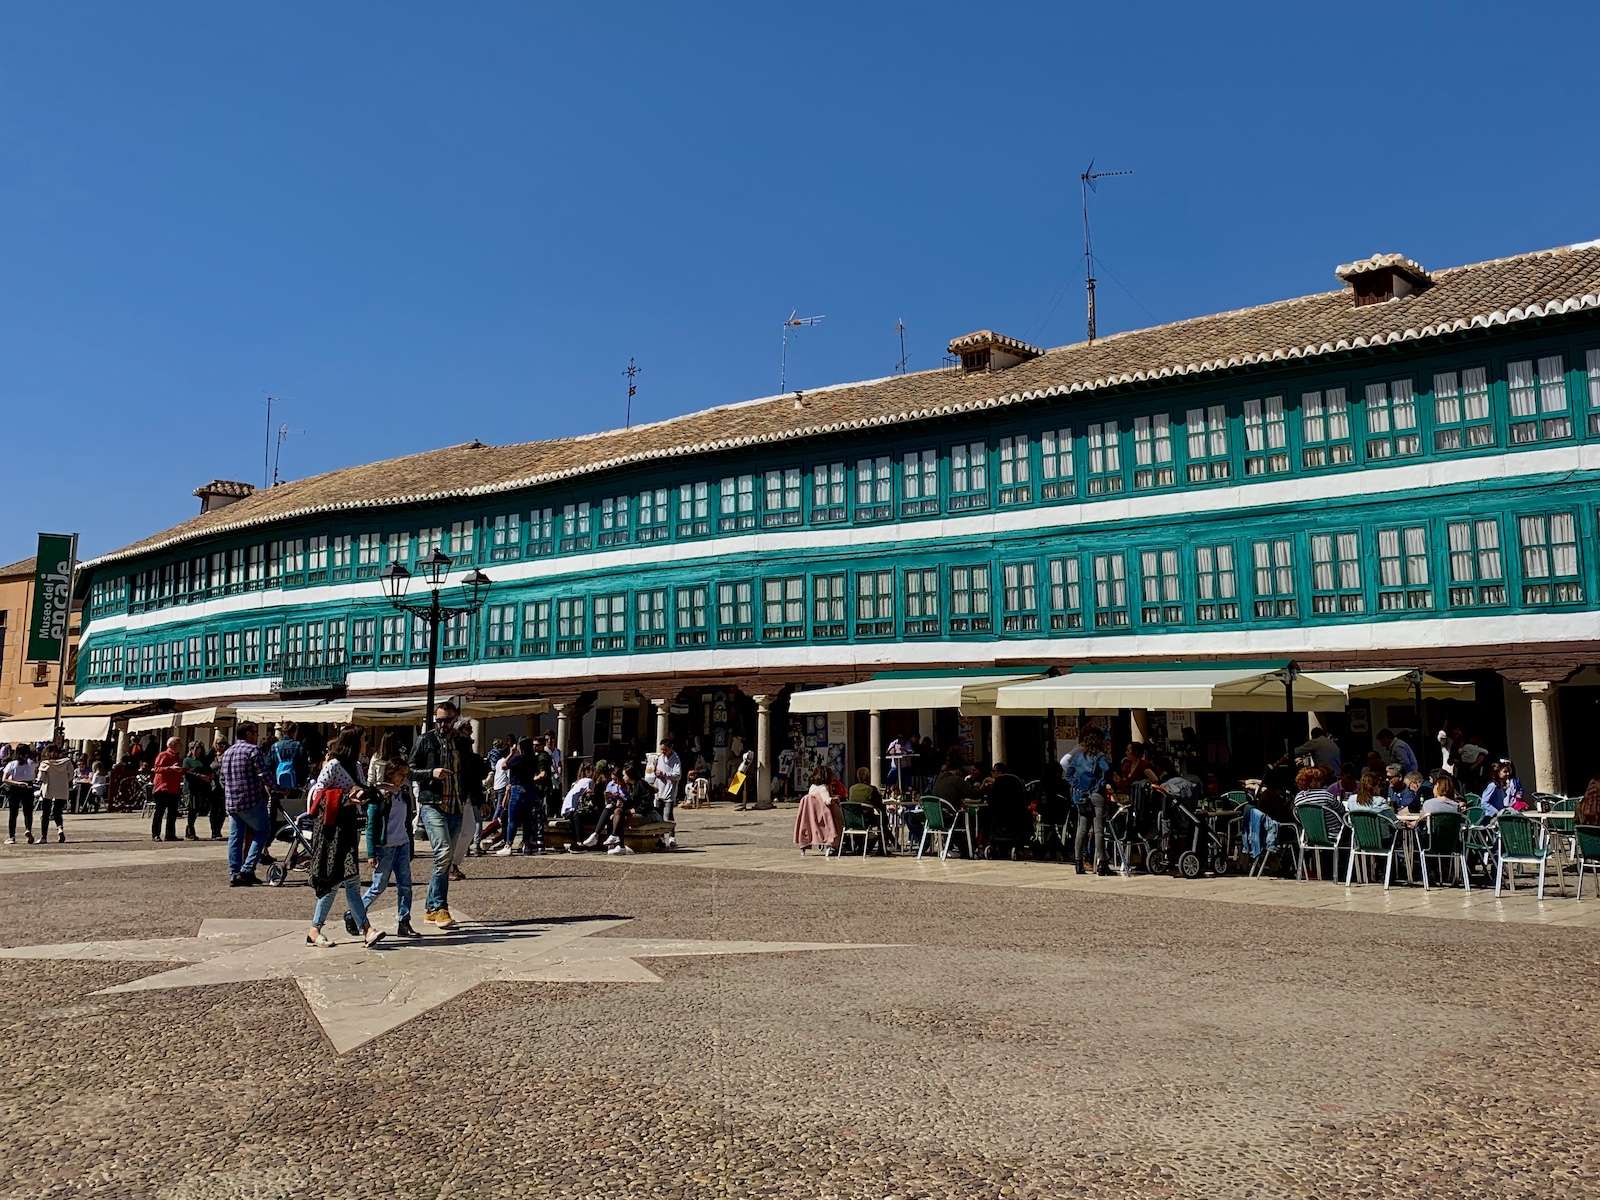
x=441, y=764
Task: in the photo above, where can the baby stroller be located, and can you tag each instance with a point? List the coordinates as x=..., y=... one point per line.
x=296, y=831
x=1136, y=827
x=1191, y=838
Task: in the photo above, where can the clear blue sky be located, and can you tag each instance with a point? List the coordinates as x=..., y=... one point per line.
x=423, y=223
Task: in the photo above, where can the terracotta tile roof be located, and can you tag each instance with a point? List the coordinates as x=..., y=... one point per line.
x=23, y=566
x=1499, y=292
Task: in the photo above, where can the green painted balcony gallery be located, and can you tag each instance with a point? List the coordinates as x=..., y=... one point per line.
x=1404, y=470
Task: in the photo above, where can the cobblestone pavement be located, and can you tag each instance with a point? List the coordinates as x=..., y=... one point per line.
x=1007, y=1041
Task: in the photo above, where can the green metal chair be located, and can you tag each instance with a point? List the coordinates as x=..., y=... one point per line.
x=1374, y=834
x=1588, y=839
x=939, y=818
x=1518, y=845
x=860, y=821
x=1320, y=828
x=1445, y=837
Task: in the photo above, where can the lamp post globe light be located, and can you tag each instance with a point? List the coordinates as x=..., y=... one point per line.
x=434, y=570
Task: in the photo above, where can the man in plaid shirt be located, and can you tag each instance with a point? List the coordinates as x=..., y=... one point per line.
x=245, y=790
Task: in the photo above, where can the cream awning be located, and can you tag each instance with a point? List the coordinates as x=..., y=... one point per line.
x=972, y=693
x=153, y=721
x=395, y=710
x=1219, y=688
x=79, y=723
x=34, y=729
x=1391, y=685
x=205, y=716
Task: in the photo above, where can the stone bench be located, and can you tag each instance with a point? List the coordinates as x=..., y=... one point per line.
x=642, y=837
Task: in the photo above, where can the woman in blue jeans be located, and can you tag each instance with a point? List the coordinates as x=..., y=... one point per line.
x=335, y=863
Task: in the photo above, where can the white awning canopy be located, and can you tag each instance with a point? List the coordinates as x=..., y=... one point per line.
x=79, y=723
x=205, y=716
x=1390, y=685
x=153, y=721
x=973, y=694
x=1208, y=688
x=35, y=729
x=394, y=710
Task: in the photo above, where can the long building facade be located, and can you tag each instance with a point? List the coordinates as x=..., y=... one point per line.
x=1403, y=471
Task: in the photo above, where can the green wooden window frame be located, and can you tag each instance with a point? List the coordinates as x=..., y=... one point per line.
x=427, y=541
x=1216, y=583
x=194, y=662
x=1058, y=476
x=1405, y=580
x=1463, y=415
x=1153, y=465
x=1019, y=596
x=1110, y=570
x=736, y=618
x=874, y=604
x=1161, y=587
x=736, y=503
x=1207, y=446
x=294, y=645
x=921, y=607
x=694, y=509
x=1103, y=459
x=500, y=631
x=780, y=507
x=1015, y=467
x=1552, y=567
x=1476, y=563
x=577, y=527
x=232, y=664
x=783, y=608
x=570, y=627
x=1266, y=437
x=1337, y=582
x=1327, y=438
x=830, y=495
x=1536, y=400
x=654, y=523
x=609, y=621
x=969, y=476
x=1591, y=376
x=650, y=619
x=392, y=640
x=829, y=611
x=271, y=649
x=690, y=605
x=919, y=483
x=421, y=636
x=1394, y=429
x=455, y=641
x=1276, y=594
x=541, y=532
x=971, y=604
x=462, y=542
x=874, y=488
x=505, y=537
x=616, y=523
x=534, y=641
x=341, y=559
x=1066, y=594
x=364, y=639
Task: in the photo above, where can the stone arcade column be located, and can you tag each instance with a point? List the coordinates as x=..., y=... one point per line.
x=663, y=725
x=563, y=734
x=1139, y=720
x=763, y=751
x=997, y=739
x=875, y=746
x=1541, y=696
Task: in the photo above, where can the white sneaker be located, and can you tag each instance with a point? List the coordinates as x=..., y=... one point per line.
x=613, y=840
x=672, y=843
x=503, y=852
x=11, y=841
x=592, y=840
x=61, y=835
x=619, y=848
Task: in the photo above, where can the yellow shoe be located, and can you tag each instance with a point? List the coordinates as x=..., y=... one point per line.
x=442, y=918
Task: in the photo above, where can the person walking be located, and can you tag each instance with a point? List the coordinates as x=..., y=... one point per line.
x=167, y=791
x=55, y=787
x=335, y=809
x=668, y=783
x=198, y=780
x=389, y=816
x=20, y=772
x=290, y=768
x=1088, y=775
x=437, y=762
x=473, y=790
x=247, y=800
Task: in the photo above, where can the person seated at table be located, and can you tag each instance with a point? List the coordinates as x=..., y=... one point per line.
x=1588, y=810
x=1007, y=818
x=862, y=792
x=1446, y=796
x=1503, y=791
x=819, y=821
x=1136, y=767
x=1371, y=793
x=1405, y=789
x=1348, y=783
x=1312, y=785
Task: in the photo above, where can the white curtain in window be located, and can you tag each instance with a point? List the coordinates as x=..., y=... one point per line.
x=1519, y=381
x=1389, y=557
x=1349, y=562
x=1475, y=393
x=1552, y=385
x=1417, y=554
x=1377, y=408
x=1322, y=562
x=1460, y=533
x=1563, y=545
x=1535, y=556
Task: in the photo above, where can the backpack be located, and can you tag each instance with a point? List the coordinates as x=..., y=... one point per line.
x=284, y=773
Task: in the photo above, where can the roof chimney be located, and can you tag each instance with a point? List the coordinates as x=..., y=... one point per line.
x=1384, y=277
x=220, y=493
x=987, y=350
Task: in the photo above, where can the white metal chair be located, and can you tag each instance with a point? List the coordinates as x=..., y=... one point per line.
x=697, y=793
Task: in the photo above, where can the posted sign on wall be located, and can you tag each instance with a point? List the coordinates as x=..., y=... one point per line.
x=52, y=597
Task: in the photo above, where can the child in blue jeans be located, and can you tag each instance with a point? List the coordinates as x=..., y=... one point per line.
x=389, y=842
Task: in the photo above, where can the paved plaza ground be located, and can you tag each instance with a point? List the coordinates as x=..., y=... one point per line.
x=734, y=1020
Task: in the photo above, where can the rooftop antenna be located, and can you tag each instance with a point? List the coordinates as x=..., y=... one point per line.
x=900, y=367
x=633, y=389
x=793, y=321
x=283, y=432
x=1087, y=180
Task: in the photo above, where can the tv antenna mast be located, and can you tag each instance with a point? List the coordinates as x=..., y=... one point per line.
x=283, y=432
x=633, y=389
x=900, y=328
x=793, y=321
x=266, y=450
x=1087, y=181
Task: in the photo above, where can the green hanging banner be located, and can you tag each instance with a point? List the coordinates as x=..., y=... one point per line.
x=52, y=597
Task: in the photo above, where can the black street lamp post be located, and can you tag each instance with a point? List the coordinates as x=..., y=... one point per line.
x=396, y=579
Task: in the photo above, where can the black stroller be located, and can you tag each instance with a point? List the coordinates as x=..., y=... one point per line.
x=1192, y=838
x=295, y=832
x=1135, y=828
